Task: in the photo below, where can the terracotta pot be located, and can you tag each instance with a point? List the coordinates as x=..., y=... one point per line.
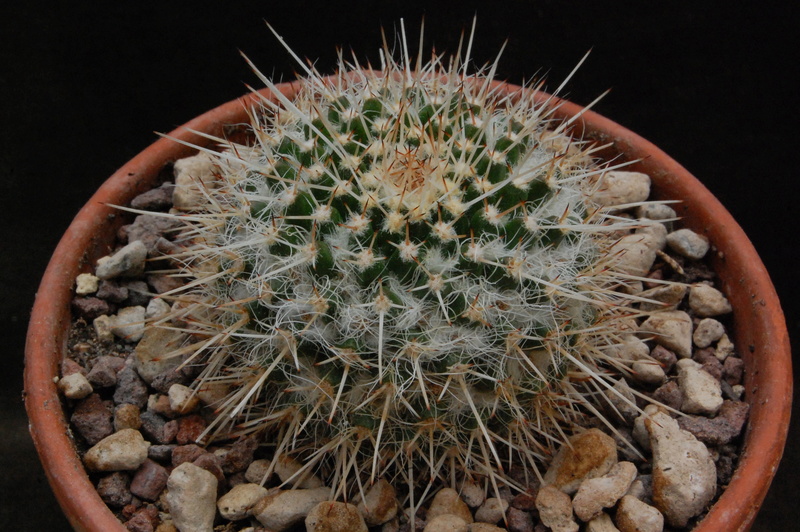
x=760, y=330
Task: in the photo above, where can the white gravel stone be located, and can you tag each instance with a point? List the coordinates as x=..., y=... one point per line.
x=125, y=450
x=702, y=393
x=102, y=328
x=484, y=527
x=151, y=353
x=707, y=301
x=86, y=284
x=623, y=401
x=379, y=504
x=127, y=262
x=182, y=399
x=688, y=243
x=492, y=510
x=684, y=475
x=257, y=471
x=128, y=324
x=472, y=494
x=589, y=454
x=331, y=516
x=634, y=515
x=637, y=252
x=601, y=523
x=238, y=503
x=75, y=386
x=189, y=172
x=725, y=348
x=619, y=187
x=664, y=297
x=282, y=509
x=738, y=391
x=287, y=467
x=446, y=523
x=156, y=308
x=672, y=329
x=555, y=510
x=447, y=501
x=595, y=494
x=639, y=432
x=191, y=497
x=649, y=372
x=656, y=211
x=630, y=347
x=707, y=332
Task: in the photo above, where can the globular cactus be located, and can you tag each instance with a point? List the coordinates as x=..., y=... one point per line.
x=404, y=274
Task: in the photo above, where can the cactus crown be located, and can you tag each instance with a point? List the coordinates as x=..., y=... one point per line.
x=404, y=274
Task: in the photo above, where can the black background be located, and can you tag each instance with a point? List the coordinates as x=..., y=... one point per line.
x=83, y=88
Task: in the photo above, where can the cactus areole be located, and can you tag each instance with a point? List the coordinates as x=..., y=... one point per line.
x=404, y=273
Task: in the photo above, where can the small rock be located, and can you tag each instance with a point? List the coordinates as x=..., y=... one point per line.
x=113, y=292
x=733, y=370
x=155, y=199
x=595, y=494
x=639, y=432
x=672, y=329
x=720, y=430
x=257, y=471
x=186, y=453
x=86, y=284
x=125, y=450
x=156, y=308
x=163, y=284
x=113, y=489
x=192, y=498
x=192, y=174
x=182, y=399
x=684, y=475
x=663, y=356
x=590, y=454
x=238, y=503
x=379, y=504
x=707, y=301
x=75, y=386
x=492, y=510
x=725, y=348
x=92, y=418
x=601, y=523
x=127, y=262
x=669, y=395
x=143, y=520
x=128, y=324
x=656, y=211
x=707, y=332
x=688, y=243
x=635, y=516
x=240, y=455
x=104, y=371
x=102, y=328
x=90, y=308
x=153, y=427
x=708, y=361
x=159, y=404
x=149, y=481
x=472, y=494
x=621, y=402
x=291, y=472
x=152, y=352
x=555, y=510
x=190, y=428
x=160, y=453
x=636, y=253
x=619, y=188
x=524, y=501
x=446, y=523
x=282, y=509
x=127, y=416
x=519, y=520
x=138, y=293
x=331, y=516
x=648, y=372
x=663, y=297
x=213, y=464
x=447, y=501
x=486, y=527
x=701, y=392
x=151, y=230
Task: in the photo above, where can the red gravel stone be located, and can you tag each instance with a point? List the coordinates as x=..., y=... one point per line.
x=189, y=429
x=524, y=501
x=519, y=520
x=733, y=370
x=186, y=453
x=213, y=464
x=709, y=360
x=90, y=308
x=113, y=489
x=149, y=481
x=670, y=395
x=240, y=455
x=104, y=371
x=144, y=520
x=664, y=356
x=93, y=419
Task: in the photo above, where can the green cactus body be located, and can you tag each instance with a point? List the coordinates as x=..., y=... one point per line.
x=404, y=271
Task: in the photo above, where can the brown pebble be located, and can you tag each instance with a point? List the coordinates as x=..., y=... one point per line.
x=90, y=308
x=720, y=430
x=709, y=360
x=130, y=388
x=519, y=520
x=69, y=366
x=104, y=371
x=189, y=429
x=92, y=419
x=113, y=489
x=111, y=291
x=126, y=416
x=144, y=520
x=732, y=370
x=664, y=356
x=186, y=453
x=149, y=481
x=156, y=199
x=240, y=455
x=213, y=464
x=669, y=395
x=524, y=501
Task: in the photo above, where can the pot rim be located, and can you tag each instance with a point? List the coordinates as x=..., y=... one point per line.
x=743, y=277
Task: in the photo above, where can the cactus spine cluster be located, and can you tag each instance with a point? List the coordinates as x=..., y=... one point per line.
x=404, y=275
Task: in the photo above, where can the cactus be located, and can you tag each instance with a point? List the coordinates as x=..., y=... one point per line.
x=405, y=275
